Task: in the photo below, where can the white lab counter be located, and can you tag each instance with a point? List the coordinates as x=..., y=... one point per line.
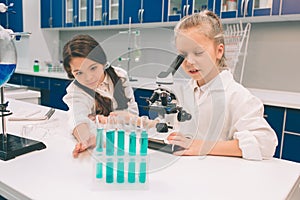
x=52, y=173
x=23, y=94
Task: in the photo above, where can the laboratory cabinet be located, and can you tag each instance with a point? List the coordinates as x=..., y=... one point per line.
x=143, y=11
x=174, y=10
x=107, y=12
x=286, y=124
x=246, y=8
x=52, y=89
x=13, y=18
x=52, y=13
x=290, y=7
x=141, y=96
x=78, y=13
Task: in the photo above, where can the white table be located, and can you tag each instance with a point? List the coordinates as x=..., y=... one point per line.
x=52, y=173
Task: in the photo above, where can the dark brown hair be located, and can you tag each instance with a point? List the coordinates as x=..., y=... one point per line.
x=84, y=46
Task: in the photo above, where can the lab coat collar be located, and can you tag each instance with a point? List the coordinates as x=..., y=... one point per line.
x=220, y=82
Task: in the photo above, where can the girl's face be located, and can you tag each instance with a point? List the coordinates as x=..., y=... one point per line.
x=201, y=55
x=87, y=72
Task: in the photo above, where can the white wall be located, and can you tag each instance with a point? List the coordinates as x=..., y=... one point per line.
x=272, y=60
x=41, y=45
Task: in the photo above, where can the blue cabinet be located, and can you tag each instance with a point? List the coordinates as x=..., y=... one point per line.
x=290, y=7
x=141, y=96
x=143, y=11
x=107, y=12
x=57, y=92
x=174, y=10
x=246, y=8
x=78, y=13
x=52, y=13
x=291, y=147
x=13, y=18
x=275, y=117
x=52, y=89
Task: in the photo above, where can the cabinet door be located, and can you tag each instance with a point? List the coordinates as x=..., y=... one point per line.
x=42, y=83
x=57, y=91
x=290, y=7
x=46, y=17
x=152, y=11
x=199, y=5
x=141, y=96
x=28, y=80
x=173, y=10
x=15, y=79
x=115, y=9
x=293, y=121
x=275, y=116
x=97, y=12
x=291, y=147
x=71, y=13
x=84, y=10
x=52, y=13
x=132, y=9
x=263, y=7
x=229, y=8
x=13, y=18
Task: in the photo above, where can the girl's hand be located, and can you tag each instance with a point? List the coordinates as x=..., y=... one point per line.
x=192, y=147
x=84, y=145
x=102, y=119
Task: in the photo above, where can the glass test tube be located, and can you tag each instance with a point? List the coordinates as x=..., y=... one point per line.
x=99, y=149
x=120, y=151
x=110, y=140
x=143, y=148
x=132, y=149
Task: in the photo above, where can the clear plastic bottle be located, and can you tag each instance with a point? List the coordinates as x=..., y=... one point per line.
x=36, y=66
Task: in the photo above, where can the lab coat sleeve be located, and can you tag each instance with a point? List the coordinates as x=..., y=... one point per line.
x=257, y=139
x=132, y=105
x=80, y=106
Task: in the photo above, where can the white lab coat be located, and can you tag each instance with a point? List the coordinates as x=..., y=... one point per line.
x=82, y=104
x=224, y=110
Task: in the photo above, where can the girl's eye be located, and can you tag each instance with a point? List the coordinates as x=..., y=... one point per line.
x=78, y=73
x=93, y=68
x=199, y=53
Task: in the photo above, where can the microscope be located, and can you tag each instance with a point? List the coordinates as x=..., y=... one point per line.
x=163, y=101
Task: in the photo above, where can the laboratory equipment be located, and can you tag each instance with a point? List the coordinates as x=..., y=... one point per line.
x=11, y=145
x=134, y=52
x=236, y=38
x=164, y=101
x=126, y=166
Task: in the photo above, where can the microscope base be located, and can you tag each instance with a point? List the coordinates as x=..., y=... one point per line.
x=16, y=146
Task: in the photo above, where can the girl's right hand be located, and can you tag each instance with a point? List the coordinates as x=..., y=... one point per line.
x=84, y=145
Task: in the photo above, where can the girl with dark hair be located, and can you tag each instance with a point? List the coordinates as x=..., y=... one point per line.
x=97, y=89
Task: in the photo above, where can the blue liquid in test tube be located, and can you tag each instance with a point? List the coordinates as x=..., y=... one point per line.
x=120, y=152
x=109, y=170
x=143, y=168
x=110, y=141
x=143, y=152
x=99, y=170
x=132, y=152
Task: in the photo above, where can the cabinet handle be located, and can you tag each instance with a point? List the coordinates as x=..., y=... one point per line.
x=139, y=15
x=246, y=8
x=50, y=22
x=28, y=80
x=265, y=116
x=183, y=11
x=187, y=10
x=142, y=15
x=242, y=6
x=42, y=82
x=75, y=20
x=57, y=84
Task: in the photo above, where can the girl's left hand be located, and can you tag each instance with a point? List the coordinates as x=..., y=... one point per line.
x=192, y=147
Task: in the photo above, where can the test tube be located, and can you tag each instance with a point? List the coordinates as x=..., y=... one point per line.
x=143, y=153
x=110, y=140
x=120, y=151
x=110, y=135
x=132, y=149
x=99, y=148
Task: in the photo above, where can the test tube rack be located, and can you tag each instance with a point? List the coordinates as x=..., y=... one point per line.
x=117, y=167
